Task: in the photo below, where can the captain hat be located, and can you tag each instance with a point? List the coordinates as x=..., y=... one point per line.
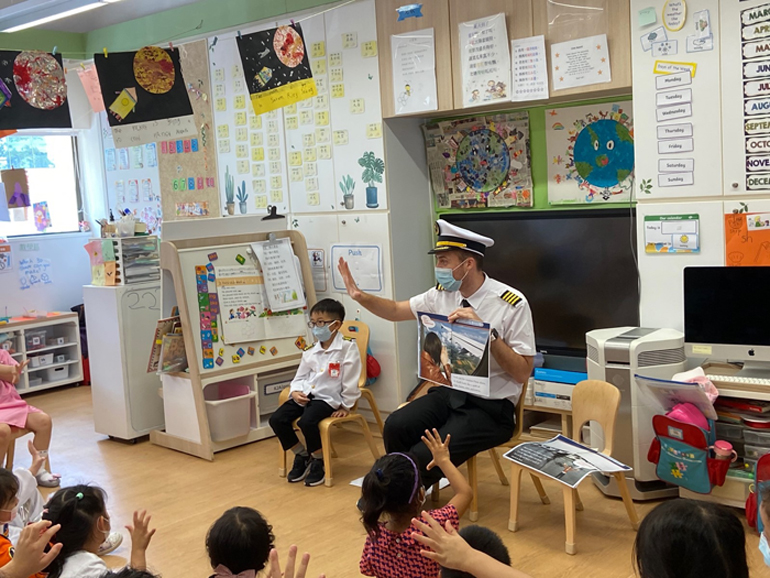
x=452, y=238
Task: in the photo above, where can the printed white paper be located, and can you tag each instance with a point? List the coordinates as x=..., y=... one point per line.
x=530, y=73
x=485, y=61
x=580, y=62
x=414, y=71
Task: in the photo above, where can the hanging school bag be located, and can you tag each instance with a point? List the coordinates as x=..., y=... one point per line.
x=681, y=452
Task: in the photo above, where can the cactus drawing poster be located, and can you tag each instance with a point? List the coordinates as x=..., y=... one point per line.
x=590, y=153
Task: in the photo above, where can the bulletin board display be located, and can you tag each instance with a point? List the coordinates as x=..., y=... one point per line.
x=251, y=149
x=745, y=30
x=188, y=167
x=133, y=179
x=676, y=91
x=236, y=355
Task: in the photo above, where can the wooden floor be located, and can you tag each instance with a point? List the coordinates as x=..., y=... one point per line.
x=186, y=494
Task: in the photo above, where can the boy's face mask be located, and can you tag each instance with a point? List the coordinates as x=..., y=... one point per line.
x=7, y=516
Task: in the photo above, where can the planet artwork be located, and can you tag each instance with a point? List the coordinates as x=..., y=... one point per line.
x=39, y=80
x=591, y=150
x=480, y=162
x=289, y=46
x=154, y=70
x=483, y=160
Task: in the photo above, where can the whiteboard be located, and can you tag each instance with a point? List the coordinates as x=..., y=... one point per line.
x=692, y=166
x=738, y=72
x=226, y=255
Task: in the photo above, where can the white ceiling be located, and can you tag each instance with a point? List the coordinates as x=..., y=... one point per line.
x=110, y=14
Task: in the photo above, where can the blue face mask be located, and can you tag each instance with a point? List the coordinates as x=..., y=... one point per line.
x=322, y=334
x=764, y=547
x=446, y=279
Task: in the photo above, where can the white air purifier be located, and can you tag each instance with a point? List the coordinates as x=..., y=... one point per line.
x=615, y=355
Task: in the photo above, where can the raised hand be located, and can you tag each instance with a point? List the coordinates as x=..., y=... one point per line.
x=37, y=459
x=301, y=571
x=438, y=449
x=447, y=547
x=347, y=278
x=140, y=530
x=31, y=557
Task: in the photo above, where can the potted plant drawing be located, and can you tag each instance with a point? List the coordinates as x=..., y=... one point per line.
x=373, y=169
x=242, y=197
x=229, y=191
x=347, y=185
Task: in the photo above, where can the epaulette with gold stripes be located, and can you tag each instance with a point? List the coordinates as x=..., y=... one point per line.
x=347, y=338
x=439, y=287
x=511, y=298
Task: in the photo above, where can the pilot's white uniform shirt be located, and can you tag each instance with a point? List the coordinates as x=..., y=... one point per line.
x=505, y=309
x=331, y=375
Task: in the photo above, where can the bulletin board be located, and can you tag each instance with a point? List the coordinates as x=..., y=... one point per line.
x=133, y=179
x=676, y=100
x=251, y=149
x=182, y=258
x=188, y=167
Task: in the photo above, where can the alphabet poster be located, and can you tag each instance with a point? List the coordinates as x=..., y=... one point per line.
x=590, y=153
x=277, y=67
x=33, y=91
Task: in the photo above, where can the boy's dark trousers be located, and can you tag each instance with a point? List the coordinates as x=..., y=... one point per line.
x=310, y=415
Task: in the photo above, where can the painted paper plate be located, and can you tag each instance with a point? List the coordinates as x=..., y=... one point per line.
x=288, y=46
x=39, y=80
x=154, y=70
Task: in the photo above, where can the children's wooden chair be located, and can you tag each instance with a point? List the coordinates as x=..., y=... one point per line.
x=473, y=478
x=16, y=433
x=360, y=332
x=592, y=400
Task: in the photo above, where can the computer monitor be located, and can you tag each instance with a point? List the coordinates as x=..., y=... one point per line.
x=727, y=314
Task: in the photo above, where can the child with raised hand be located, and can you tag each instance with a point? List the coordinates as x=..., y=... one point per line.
x=393, y=488
x=240, y=544
x=82, y=513
x=473, y=552
x=326, y=385
x=33, y=551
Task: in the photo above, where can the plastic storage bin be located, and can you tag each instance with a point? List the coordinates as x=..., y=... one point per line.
x=35, y=339
x=757, y=437
x=35, y=381
x=755, y=452
x=729, y=431
x=41, y=360
x=56, y=373
x=270, y=387
x=228, y=406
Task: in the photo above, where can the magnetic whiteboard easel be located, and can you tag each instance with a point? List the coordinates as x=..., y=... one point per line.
x=187, y=423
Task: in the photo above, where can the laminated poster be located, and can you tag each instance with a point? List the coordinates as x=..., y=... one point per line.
x=672, y=234
x=480, y=162
x=590, y=153
x=485, y=60
x=414, y=71
x=277, y=67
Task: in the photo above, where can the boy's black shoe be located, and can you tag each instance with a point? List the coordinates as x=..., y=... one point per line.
x=316, y=473
x=300, y=469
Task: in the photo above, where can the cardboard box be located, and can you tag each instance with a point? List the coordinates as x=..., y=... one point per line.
x=553, y=395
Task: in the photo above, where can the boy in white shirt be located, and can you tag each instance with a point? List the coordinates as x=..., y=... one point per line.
x=326, y=385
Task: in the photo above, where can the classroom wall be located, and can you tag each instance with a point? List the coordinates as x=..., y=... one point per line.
x=69, y=270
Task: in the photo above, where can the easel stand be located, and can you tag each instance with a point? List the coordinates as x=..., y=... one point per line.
x=197, y=421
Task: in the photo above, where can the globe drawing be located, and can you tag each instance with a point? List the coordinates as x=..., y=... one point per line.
x=604, y=153
x=483, y=160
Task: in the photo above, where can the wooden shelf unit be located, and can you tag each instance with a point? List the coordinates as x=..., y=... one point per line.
x=55, y=325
